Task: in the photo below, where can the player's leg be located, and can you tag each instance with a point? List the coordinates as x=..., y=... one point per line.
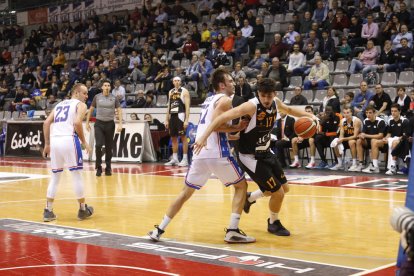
x=109, y=137
x=99, y=142
x=360, y=146
x=174, y=140
x=197, y=176
x=184, y=161
x=295, y=151
x=312, y=163
x=392, y=144
x=353, y=147
x=376, y=144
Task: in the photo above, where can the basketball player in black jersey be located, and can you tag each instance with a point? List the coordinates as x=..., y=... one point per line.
x=255, y=156
x=178, y=114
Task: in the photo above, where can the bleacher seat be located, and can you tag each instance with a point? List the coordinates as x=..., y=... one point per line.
x=279, y=18
x=391, y=91
x=340, y=80
x=288, y=17
x=149, y=86
x=129, y=88
x=389, y=78
x=275, y=27
x=355, y=80
x=175, y=63
x=162, y=100
x=406, y=77
x=185, y=63
x=341, y=66
x=308, y=94
x=139, y=86
x=341, y=93
x=319, y=96
x=295, y=81
x=268, y=19
x=331, y=65
x=287, y=96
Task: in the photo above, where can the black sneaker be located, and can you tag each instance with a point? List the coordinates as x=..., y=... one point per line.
x=99, y=171
x=108, y=171
x=237, y=236
x=277, y=228
x=48, y=216
x=83, y=214
x=247, y=203
x=155, y=234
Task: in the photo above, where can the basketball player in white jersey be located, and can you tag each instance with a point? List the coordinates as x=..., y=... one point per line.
x=217, y=159
x=63, y=146
x=255, y=156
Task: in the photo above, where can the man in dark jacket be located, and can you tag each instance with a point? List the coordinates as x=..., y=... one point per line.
x=298, y=99
x=284, y=132
x=278, y=73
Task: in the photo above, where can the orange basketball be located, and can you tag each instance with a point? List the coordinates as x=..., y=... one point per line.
x=305, y=127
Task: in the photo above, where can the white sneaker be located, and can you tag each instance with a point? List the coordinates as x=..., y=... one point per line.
x=237, y=236
x=392, y=171
x=183, y=163
x=172, y=162
x=371, y=169
x=295, y=164
x=155, y=234
x=337, y=167
x=311, y=165
x=355, y=168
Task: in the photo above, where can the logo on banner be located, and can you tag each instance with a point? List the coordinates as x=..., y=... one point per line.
x=19, y=142
x=127, y=144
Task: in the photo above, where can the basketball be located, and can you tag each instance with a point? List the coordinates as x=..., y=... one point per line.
x=305, y=127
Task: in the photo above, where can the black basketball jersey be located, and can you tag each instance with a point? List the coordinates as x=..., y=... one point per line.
x=375, y=127
x=176, y=103
x=398, y=128
x=255, y=139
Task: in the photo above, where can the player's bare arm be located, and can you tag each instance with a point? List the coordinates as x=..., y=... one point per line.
x=167, y=117
x=293, y=111
x=80, y=114
x=222, y=105
x=46, y=133
x=187, y=104
x=88, y=118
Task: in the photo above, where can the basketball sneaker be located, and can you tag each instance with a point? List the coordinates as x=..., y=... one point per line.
x=83, y=214
x=277, y=228
x=99, y=171
x=48, y=216
x=172, y=162
x=371, y=169
x=311, y=165
x=247, y=203
x=323, y=165
x=295, y=164
x=392, y=171
x=337, y=167
x=183, y=163
x=237, y=236
x=155, y=234
x=108, y=171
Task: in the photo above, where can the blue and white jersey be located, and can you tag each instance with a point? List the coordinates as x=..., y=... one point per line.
x=64, y=118
x=217, y=143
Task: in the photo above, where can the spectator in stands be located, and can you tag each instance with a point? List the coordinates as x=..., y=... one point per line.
x=381, y=101
x=320, y=13
x=371, y=137
x=212, y=54
x=311, y=39
x=278, y=48
x=240, y=45
x=222, y=18
x=238, y=72
x=32, y=61
x=243, y=89
x=254, y=65
x=153, y=70
x=298, y=98
x=51, y=102
x=341, y=23
x=387, y=57
x=296, y=59
x=205, y=36
x=346, y=102
x=28, y=80
x=134, y=117
x=350, y=128
x=361, y=100
x=289, y=37
x=404, y=15
x=82, y=65
x=296, y=22
x=300, y=143
x=328, y=23
x=247, y=30
x=58, y=62
x=328, y=131
x=372, y=5
x=6, y=57
x=119, y=93
x=369, y=30
x=344, y=49
x=25, y=103
x=278, y=73
x=134, y=59
x=326, y=46
x=361, y=11
x=284, y=132
x=4, y=90
x=397, y=41
x=257, y=34
x=310, y=54
x=189, y=46
x=193, y=72
x=403, y=100
x=206, y=69
x=355, y=31
x=403, y=57
x=331, y=99
x=364, y=60
x=318, y=76
x=9, y=78
x=398, y=129
x=306, y=23
x=140, y=100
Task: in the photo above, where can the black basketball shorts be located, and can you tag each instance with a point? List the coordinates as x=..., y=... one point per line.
x=176, y=126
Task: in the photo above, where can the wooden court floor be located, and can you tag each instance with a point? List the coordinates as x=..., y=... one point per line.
x=335, y=219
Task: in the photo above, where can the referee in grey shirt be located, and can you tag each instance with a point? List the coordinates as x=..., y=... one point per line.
x=105, y=104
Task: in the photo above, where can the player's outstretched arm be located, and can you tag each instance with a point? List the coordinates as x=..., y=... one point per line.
x=245, y=109
x=293, y=111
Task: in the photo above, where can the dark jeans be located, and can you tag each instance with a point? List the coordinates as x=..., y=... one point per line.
x=104, y=136
x=322, y=142
x=280, y=146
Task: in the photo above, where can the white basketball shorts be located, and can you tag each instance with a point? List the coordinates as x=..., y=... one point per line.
x=226, y=169
x=65, y=152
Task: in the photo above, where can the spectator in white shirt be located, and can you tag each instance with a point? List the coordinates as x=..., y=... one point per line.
x=296, y=59
x=134, y=59
x=289, y=37
x=247, y=29
x=396, y=43
x=119, y=93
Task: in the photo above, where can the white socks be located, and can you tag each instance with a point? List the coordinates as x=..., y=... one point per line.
x=234, y=221
x=273, y=217
x=165, y=221
x=312, y=159
x=354, y=162
x=375, y=162
x=175, y=156
x=296, y=159
x=255, y=195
